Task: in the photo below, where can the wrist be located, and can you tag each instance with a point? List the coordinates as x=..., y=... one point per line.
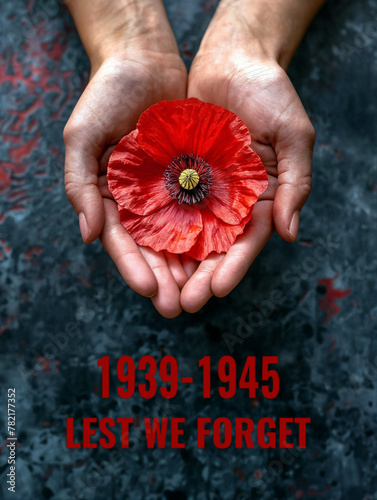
x=116, y=28
x=265, y=29
x=238, y=33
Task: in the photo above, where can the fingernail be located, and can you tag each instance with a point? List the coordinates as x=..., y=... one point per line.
x=293, y=226
x=84, y=228
x=151, y=296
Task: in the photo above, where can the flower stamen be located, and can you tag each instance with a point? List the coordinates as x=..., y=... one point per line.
x=188, y=179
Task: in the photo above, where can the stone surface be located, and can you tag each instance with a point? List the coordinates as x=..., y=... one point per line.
x=63, y=307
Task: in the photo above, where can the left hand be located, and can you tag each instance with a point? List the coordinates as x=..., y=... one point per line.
x=234, y=72
x=134, y=63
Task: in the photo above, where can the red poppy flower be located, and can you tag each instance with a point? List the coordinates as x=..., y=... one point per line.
x=186, y=179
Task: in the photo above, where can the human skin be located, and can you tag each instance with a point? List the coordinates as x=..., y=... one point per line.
x=134, y=63
x=241, y=66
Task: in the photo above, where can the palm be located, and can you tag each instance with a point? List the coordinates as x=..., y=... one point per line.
x=263, y=97
x=109, y=108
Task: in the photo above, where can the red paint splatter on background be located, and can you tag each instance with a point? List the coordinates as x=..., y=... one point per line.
x=208, y=5
x=33, y=251
x=29, y=76
x=328, y=304
x=338, y=154
x=255, y=402
x=84, y=281
x=330, y=406
x=7, y=442
x=45, y=364
x=315, y=493
x=4, y=178
x=312, y=493
x=332, y=345
x=306, y=243
x=188, y=54
x=240, y=473
x=63, y=268
x=48, y=473
x=79, y=464
x=7, y=323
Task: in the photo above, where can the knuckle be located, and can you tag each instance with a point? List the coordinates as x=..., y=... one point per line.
x=206, y=272
x=71, y=130
x=307, y=132
x=71, y=190
x=160, y=267
x=127, y=253
x=240, y=254
x=312, y=133
x=304, y=184
x=67, y=132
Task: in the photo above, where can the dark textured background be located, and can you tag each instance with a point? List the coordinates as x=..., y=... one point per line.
x=323, y=331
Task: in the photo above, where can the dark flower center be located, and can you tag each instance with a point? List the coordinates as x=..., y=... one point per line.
x=188, y=179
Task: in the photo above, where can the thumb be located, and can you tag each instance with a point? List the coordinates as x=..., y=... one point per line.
x=81, y=185
x=295, y=156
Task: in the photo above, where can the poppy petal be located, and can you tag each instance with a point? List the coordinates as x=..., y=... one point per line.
x=171, y=128
x=189, y=126
x=135, y=180
x=216, y=236
x=237, y=186
x=174, y=228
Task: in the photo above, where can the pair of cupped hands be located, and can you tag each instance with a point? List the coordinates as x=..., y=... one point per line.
x=229, y=70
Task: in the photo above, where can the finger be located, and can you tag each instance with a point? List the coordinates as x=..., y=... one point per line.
x=166, y=300
x=272, y=187
x=189, y=265
x=83, y=193
x=126, y=254
x=197, y=291
x=81, y=179
x=241, y=255
x=294, y=154
x=267, y=154
x=176, y=269
x=168, y=294
x=104, y=160
x=104, y=188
